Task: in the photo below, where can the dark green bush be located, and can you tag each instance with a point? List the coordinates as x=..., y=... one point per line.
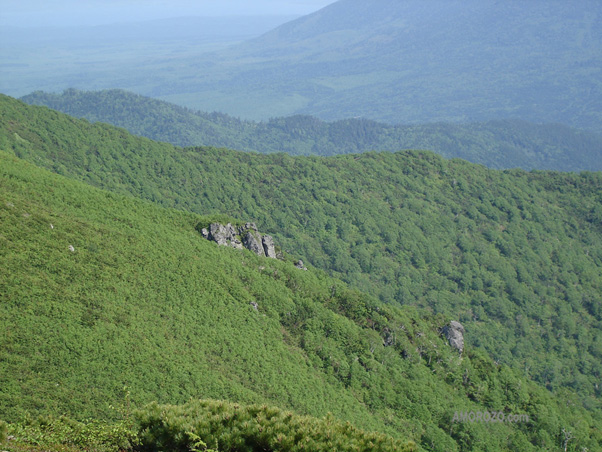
x=240, y=428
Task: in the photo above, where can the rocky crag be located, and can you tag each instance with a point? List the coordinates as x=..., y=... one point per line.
x=244, y=236
x=454, y=332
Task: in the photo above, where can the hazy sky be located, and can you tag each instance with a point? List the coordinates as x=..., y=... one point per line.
x=94, y=12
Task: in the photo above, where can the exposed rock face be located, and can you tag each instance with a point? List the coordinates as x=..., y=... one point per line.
x=252, y=241
x=454, y=332
x=245, y=236
x=223, y=235
x=219, y=233
x=268, y=246
x=300, y=265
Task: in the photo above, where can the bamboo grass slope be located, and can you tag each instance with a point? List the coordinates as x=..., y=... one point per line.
x=102, y=291
x=103, y=294
x=195, y=426
x=515, y=256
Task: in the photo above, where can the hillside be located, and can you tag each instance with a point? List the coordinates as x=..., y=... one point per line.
x=515, y=256
x=104, y=295
x=495, y=144
x=411, y=62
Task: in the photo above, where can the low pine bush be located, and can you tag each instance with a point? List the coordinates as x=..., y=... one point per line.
x=233, y=427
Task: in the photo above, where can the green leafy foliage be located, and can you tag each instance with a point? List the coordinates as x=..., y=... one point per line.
x=218, y=218
x=496, y=144
x=51, y=433
x=3, y=431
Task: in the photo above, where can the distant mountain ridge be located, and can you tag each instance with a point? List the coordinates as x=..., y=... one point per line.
x=496, y=144
x=413, y=62
x=398, y=62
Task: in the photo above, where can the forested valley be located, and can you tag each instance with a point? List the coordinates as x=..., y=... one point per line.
x=397, y=245
x=501, y=144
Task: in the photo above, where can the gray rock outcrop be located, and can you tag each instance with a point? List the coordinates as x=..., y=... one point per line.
x=223, y=235
x=300, y=265
x=252, y=241
x=454, y=332
x=268, y=246
x=245, y=236
x=205, y=233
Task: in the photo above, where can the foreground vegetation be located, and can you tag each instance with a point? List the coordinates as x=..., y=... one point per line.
x=191, y=427
x=231, y=427
x=495, y=144
x=141, y=304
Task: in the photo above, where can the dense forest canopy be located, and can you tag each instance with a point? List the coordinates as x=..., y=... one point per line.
x=109, y=301
x=495, y=144
x=516, y=256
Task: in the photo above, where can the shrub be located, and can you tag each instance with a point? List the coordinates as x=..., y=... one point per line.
x=240, y=428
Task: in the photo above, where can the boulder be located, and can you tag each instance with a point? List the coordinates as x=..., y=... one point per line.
x=252, y=241
x=205, y=233
x=219, y=233
x=244, y=236
x=235, y=238
x=222, y=235
x=268, y=246
x=454, y=332
x=231, y=230
x=300, y=265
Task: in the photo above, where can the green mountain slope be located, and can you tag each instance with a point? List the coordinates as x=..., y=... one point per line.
x=496, y=144
x=515, y=256
x=141, y=301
